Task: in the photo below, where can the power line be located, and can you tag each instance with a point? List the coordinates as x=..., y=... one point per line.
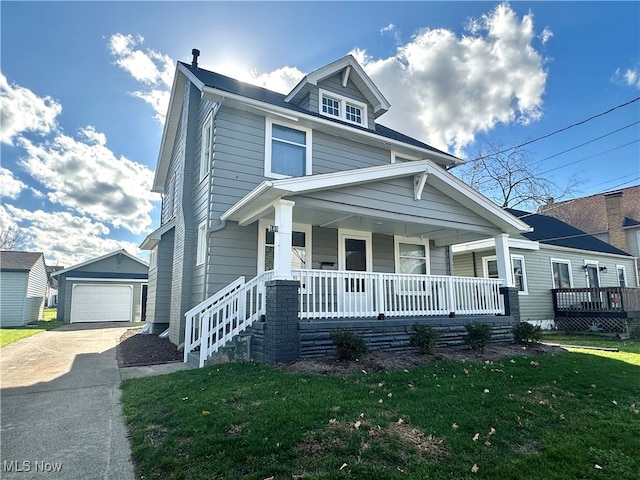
x=590, y=156
x=558, y=131
x=585, y=143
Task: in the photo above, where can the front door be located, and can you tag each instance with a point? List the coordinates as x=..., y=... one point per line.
x=356, y=294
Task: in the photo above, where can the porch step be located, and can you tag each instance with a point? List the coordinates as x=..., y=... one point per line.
x=236, y=350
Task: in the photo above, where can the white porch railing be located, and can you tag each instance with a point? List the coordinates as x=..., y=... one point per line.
x=348, y=294
x=224, y=315
x=338, y=294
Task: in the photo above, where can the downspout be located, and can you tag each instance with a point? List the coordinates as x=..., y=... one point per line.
x=475, y=268
x=214, y=111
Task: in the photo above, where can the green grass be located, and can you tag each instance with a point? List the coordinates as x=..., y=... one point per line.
x=593, y=340
x=13, y=334
x=538, y=417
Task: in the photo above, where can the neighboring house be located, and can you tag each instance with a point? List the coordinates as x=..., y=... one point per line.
x=613, y=217
x=52, y=286
x=23, y=287
x=110, y=288
x=555, y=255
x=309, y=187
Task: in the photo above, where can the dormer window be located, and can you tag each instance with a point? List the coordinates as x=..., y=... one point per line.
x=334, y=105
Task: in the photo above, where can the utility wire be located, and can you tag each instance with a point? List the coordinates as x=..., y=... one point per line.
x=585, y=143
x=589, y=157
x=557, y=131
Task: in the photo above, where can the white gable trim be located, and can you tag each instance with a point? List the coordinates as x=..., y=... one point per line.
x=103, y=257
x=269, y=191
x=380, y=103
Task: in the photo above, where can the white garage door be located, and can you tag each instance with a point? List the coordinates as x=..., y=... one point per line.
x=101, y=303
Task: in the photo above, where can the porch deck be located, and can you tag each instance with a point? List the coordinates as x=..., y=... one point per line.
x=602, y=309
x=336, y=295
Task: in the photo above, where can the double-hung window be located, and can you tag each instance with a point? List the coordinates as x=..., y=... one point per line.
x=201, y=245
x=622, y=275
x=561, y=270
x=490, y=265
x=288, y=150
x=334, y=105
x=300, y=247
x=206, y=148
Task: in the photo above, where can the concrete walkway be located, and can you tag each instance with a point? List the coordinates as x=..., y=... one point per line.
x=60, y=412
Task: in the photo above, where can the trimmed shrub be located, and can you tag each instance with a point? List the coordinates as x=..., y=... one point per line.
x=524, y=332
x=478, y=335
x=348, y=344
x=424, y=338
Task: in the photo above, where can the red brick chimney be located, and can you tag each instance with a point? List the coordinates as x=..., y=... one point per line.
x=615, y=218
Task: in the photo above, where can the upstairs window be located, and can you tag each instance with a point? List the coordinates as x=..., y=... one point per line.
x=288, y=151
x=330, y=106
x=334, y=105
x=206, y=148
x=622, y=275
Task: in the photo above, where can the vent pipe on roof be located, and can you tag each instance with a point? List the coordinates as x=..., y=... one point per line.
x=196, y=53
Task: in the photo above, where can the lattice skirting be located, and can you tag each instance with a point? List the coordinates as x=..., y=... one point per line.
x=604, y=325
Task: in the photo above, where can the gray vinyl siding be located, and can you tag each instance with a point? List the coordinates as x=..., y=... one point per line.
x=184, y=162
x=439, y=260
x=382, y=252
x=391, y=195
x=159, y=293
x=12, y=298
x=324, y=248
x=334, y=154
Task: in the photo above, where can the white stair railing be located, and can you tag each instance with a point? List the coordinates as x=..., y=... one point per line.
x=217, y=320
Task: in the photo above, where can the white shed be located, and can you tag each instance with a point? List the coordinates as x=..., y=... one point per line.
x=23, y=287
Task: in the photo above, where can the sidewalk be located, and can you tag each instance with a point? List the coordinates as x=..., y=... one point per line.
x=61, y=416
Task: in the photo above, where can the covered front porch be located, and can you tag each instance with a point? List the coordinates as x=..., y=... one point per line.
x=367, y=244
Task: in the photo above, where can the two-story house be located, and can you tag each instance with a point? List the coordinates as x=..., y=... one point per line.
x=308, y=190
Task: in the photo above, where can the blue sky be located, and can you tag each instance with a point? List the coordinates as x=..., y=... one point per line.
x=84, y=84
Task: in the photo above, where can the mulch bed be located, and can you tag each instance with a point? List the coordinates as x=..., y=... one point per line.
x=136, y=350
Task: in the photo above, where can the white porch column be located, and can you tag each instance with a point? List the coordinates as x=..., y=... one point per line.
x=282, y=247
x=503, y=259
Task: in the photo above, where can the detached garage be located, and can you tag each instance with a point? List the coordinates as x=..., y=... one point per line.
x=111, y=288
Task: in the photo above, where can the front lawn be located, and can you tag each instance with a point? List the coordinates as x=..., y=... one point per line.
x=13, y=334
x=563, y=416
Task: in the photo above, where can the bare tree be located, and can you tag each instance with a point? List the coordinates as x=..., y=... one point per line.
x=508, y=178
x=10, y=238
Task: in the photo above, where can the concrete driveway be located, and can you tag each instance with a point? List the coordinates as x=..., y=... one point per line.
x=61, y=416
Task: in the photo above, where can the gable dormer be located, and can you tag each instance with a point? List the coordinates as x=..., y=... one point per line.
x=341, y=91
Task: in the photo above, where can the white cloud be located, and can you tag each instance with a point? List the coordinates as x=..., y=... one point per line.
x=10, y=186
x=64, y=238
x=23, y=111
x=630, y=76
x=281, y=80
x=445, y=89
x=546, y=35
x=85, y=175
x=153, y=69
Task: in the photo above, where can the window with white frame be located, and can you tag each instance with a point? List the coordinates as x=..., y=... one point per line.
x=593, y=273
x=344, y=108
x=561, y=273
x=300, y=246
x=490, y=268
x=288, y=150
x=153, y=258
x=519, y=274
x=622, y=275
x=201, y=246
x=206, y=148
x=412, y=255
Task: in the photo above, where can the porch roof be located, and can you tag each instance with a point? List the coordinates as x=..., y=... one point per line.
x=310, y=194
